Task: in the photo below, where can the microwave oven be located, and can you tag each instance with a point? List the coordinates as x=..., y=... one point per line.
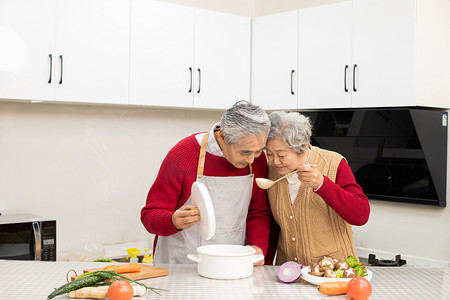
x=27, y=237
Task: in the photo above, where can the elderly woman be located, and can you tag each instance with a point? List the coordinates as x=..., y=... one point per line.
x=225, y=159
x=316, y=206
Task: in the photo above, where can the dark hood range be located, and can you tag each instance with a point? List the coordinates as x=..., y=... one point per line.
x=396, y=155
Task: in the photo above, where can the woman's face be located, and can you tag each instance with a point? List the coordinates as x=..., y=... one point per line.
x=283, y=158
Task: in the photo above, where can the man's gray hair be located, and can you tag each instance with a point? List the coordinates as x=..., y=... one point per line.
x=244, y=119
x=293, y=128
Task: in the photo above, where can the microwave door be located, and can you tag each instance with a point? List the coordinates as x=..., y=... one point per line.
x=36, y=245
x=16, y=240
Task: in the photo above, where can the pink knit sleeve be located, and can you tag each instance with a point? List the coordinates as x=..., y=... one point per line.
x=346, y=196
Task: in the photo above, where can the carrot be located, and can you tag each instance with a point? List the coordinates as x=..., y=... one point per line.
x=123, y=268
x=333, y=288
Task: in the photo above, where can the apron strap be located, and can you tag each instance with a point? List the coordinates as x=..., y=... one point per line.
x=201, y=157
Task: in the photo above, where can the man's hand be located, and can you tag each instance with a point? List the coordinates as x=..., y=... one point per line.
x=185, y=217
x=258, y=251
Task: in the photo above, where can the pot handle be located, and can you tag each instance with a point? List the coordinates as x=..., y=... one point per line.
x=257, y=258
x=194, y=257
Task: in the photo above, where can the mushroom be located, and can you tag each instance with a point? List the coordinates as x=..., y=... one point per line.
x=342, y=265
x=327, y=263
x=324, y=257
x=320, y=274
x=330, y=273
x=315, y=268
x=349, y=273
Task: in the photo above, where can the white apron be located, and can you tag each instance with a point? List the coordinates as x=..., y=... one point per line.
x=230, y=197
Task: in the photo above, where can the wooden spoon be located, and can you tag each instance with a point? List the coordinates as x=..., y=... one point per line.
x=265, y=183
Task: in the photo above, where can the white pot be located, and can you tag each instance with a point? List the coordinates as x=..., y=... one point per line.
x=225, y=261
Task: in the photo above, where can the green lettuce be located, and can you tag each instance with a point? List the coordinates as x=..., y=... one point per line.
x=356, y=265
x=339, y=273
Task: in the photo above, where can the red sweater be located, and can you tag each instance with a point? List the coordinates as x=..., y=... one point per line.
x=172, y=189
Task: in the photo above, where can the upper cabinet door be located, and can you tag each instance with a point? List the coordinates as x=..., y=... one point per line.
x=27, y=35
x=92, y=42
x=325, y=39
x=222, y=59
x=383, y=50
x=161, y=55
x=274, y=60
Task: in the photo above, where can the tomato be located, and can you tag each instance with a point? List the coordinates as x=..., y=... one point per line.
x=120, y=290
x=359, y=288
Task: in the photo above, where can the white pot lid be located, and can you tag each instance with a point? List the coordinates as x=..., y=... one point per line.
x=202, y=199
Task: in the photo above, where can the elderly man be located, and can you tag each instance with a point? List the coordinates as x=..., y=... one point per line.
x=231, y=156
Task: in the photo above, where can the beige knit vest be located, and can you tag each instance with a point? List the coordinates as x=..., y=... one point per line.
x=309, y=227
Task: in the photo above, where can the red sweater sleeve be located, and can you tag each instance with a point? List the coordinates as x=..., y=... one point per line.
x=345, y=196
x=171, y=188
x=259, y=213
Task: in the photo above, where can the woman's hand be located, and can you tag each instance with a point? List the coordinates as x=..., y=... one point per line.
x=185, y=217
x=310, y=175
x=258, y=251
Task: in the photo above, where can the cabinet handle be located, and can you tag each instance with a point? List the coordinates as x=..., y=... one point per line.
x=292, y=75
x=190, y=84
x=50, y=73
x=61, y=60
x=199, y=79
x=345, y=79
x=354, y=76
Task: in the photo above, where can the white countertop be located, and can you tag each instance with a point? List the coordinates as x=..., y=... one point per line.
x=35, y=280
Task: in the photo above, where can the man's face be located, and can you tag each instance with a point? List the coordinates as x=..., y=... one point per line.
x=244, y=152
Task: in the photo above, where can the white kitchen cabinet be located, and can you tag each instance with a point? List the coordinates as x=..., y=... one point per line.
x=27, y=35
x=325, y=41
x=274, y=60
x=161, y=55
x=92, y=36
x=398, y=54
x=74, y=51
x=187, y=57
x=383, y=52
x=403, y=60
x=222, y=59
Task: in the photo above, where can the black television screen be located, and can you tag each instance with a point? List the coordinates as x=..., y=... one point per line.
x=395, y=154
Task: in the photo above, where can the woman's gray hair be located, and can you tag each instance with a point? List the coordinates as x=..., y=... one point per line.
x=244, y=119
x=293, y=128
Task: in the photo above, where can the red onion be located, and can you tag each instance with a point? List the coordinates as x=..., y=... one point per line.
x=289, y=271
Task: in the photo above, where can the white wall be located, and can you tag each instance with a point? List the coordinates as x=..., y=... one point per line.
x=89, y=167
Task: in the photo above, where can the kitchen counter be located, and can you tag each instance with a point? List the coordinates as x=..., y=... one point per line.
x=35, y=280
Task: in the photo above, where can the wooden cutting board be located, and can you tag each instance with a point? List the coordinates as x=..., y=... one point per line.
x=146, y=272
